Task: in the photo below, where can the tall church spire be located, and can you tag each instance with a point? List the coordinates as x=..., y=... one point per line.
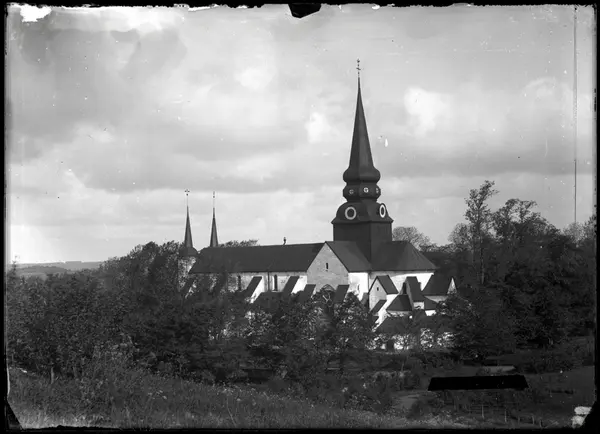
x=361, y=168
x=361, y=219
x=214, y=241
x=187, y=249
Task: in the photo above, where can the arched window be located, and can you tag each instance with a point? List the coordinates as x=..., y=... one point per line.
x=275, y=282
x=327, y=266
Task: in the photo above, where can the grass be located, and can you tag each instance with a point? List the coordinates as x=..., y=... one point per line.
x=151, y=401
x=159, y=402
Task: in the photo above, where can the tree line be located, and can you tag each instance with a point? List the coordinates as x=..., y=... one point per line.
x=522, y=283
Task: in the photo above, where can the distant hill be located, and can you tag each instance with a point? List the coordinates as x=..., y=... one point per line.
x=44, y=269
x=69, y=265
x=41, y=271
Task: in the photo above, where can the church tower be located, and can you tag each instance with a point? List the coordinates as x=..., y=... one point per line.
x=187, y=252
x=362, y=219
x=214, y=240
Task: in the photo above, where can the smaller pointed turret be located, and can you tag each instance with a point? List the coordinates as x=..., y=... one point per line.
x=214, y=241
x=187, y=249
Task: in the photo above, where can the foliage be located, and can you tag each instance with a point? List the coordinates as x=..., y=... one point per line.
x=412, y=235
x=481, y=326
x=151, y=401
x=479, y=216
x=243, y=243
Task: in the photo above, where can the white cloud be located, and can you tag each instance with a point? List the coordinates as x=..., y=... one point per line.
x=318, y=128
x=425, y=109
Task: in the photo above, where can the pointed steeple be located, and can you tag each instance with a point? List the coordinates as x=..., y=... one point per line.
x=187, y=249
x=214, y=241
x=361, y=168
x=361, y=176
x=361, y=219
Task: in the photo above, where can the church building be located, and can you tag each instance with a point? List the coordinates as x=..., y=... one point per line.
x=392, y=277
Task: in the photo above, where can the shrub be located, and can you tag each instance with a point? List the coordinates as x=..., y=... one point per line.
x=549, y=361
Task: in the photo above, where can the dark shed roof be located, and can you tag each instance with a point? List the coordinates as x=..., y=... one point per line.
x=438, y=285
x=268, y=300
x=377, y=306
x=400, y=304
x=252, y=286
x=387, y=284
x=305, y=294
x=414, y=286
x=430, y=304
x=400, y=256
x=280, y=258
x=289, y=285
x=340, y=293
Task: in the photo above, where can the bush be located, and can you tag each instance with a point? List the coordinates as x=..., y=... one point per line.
x=550, y=361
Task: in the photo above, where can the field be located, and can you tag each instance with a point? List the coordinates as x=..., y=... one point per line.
x=160, y=402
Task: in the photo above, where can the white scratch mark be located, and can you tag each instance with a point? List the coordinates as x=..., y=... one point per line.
x=30, y=14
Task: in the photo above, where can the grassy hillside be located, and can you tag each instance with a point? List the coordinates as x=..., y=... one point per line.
x=160, y=402
x=154, y=401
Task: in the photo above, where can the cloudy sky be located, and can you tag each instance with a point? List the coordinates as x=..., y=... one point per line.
x=113, y=112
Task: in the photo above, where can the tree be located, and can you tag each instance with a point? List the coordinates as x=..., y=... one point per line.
x=412, y=235
x=348, y=328
x=244, y=243
x=480, y=325
x=479, y=217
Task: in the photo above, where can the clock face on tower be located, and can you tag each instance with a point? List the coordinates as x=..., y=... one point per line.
x=350, y=213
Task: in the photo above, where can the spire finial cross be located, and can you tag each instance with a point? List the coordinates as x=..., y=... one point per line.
x=358, y=67
x=186, y=196
x=213, y=200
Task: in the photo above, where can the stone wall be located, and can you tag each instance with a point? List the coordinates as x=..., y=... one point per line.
x=327, y=269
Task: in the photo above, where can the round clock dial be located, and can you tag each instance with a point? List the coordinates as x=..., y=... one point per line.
x=382, y=211
x=366, y=189
x=350, y=213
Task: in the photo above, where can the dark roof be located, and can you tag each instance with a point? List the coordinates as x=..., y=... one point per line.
x=289, y=285
x=268, y=300
x=292, y=257
x=187, y=248
x=392, y=325
x=361, y=168
x=438, y=285
x=414, y=286
x=388, y=285
x=305, y=294
x=350, y=255
x=214, y=240
x=400, y=304
x=377, y=306
x=340, y=293
x=400, y=256
x=252, y=286
x=430, y=304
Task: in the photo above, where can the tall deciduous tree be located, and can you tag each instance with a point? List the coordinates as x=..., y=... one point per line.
x=412, y=235
x=481, y=325
x=478, y=215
